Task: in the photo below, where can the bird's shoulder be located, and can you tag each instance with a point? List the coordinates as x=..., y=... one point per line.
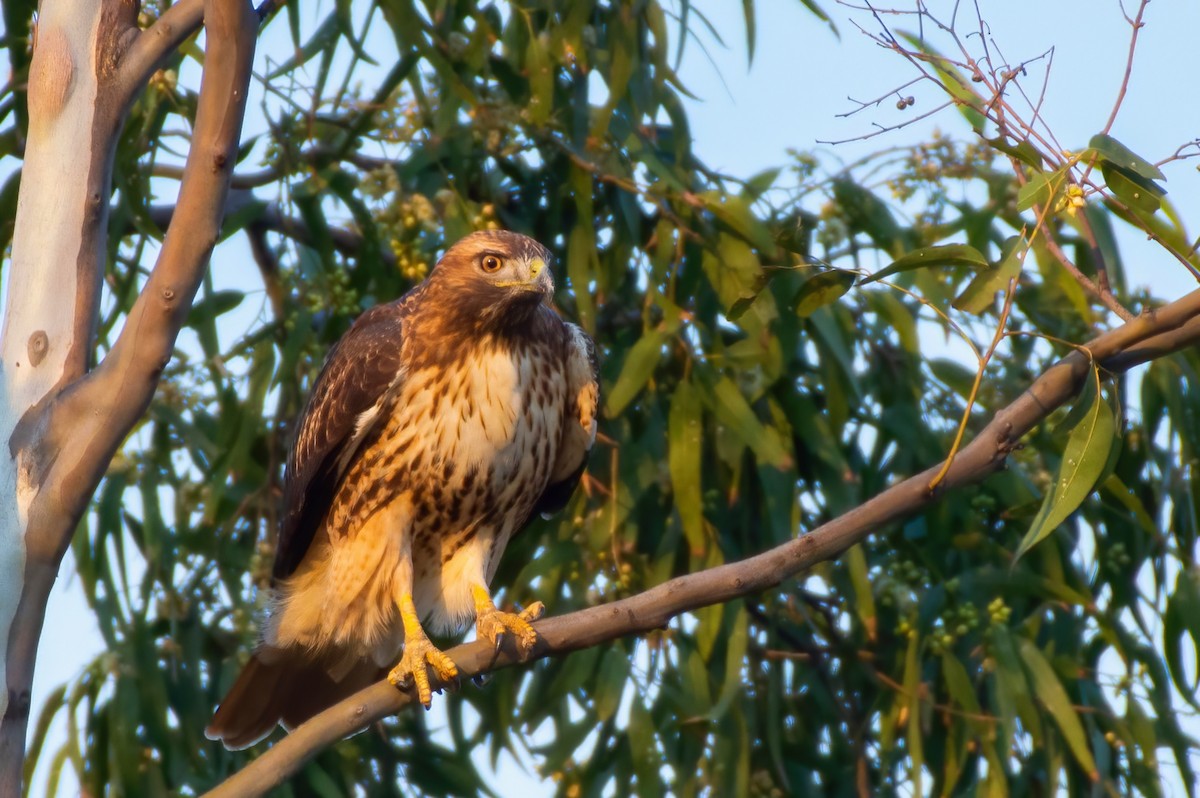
x=360, y=372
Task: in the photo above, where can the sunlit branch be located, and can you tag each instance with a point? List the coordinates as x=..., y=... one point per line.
x=1150, y=335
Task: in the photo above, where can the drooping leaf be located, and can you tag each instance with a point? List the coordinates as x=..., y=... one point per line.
x=1041, y=188
x=928, y=257
x=685, y=458
x=1131, y=188
x=980, y=293
x=913, y=732
x=1023, y=151
x=1181, y=624
x=1083, y=463
x=1048, y=690
x=731, y=407
x=1116, y=153
x=734, y=271
x=868, y=214
x=639, y=366
x=821, y=289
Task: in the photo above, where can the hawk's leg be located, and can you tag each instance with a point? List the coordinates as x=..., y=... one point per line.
x=491, y=624
x=420, y=656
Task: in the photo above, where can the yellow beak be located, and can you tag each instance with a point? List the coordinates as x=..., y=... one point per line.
x=535, y=268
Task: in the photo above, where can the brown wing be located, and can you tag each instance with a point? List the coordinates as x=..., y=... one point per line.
x=358, y=373
x=579, y=431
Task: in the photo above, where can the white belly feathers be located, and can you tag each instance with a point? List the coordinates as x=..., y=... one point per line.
x=464, y=457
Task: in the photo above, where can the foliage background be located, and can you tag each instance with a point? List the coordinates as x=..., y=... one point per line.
x=923, y=654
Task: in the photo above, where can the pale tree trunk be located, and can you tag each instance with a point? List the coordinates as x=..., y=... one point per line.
x=61, y=419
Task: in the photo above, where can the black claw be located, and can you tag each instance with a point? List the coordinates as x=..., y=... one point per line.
x=481, y=679
x=498, y=643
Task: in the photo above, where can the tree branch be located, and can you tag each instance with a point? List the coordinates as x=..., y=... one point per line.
x=156, y=43
x=272, y=218
x=1150, y=335
x=287, y=165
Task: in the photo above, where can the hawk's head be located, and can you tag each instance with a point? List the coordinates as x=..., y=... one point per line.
x=495, y=277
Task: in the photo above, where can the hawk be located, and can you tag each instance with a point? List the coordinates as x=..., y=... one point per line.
x=439, y=426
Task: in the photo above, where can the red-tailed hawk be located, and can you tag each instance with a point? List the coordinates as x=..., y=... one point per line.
x=439, y=426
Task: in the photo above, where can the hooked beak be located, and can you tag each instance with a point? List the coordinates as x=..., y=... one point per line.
x=541, y=280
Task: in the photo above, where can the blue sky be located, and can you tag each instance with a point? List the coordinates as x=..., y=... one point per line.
x=746, y=118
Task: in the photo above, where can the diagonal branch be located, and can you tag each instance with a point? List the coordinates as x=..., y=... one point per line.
x=1150, y=335
x=157, y=43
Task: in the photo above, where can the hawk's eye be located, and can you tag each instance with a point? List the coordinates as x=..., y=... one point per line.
x=491, y=263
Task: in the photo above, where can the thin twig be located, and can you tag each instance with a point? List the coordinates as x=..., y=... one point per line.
x=1100, y=293
x=890, y=128
x=874, y=103
x=983, y=363
x=1137, y=25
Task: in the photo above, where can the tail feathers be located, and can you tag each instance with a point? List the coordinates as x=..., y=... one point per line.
x=282, y=686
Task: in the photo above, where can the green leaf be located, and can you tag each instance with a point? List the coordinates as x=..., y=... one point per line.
x=1041, y=188
x=610, y=682
x=1115, y=488
x=736, y=214
x=732, y=410
x=322, y=40
x=980, y=293
x=958, y=683
x=50, y=708
x=685, y=460
x=1182, y=619
x=213, y=305
x=912, y=690
x=864, y=596
x=748, y=14
x=822, y=289
x=734, y=271
x=639, y=366
x=760, y=183
x=1023, y=151
x=583, y=263
x=736, y=642
x=647, y=762
x=943, y=255
x=697, y=694
x=1082, y=465
x=1116, y=153
x=868, y=214
x=1134, y=190
x=1049, y=692
x=540, y=72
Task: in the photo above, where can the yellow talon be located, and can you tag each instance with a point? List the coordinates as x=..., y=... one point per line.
x=491, y=624
x=420, y=656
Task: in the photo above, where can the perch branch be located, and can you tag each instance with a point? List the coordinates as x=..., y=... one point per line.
x=1150, y=335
